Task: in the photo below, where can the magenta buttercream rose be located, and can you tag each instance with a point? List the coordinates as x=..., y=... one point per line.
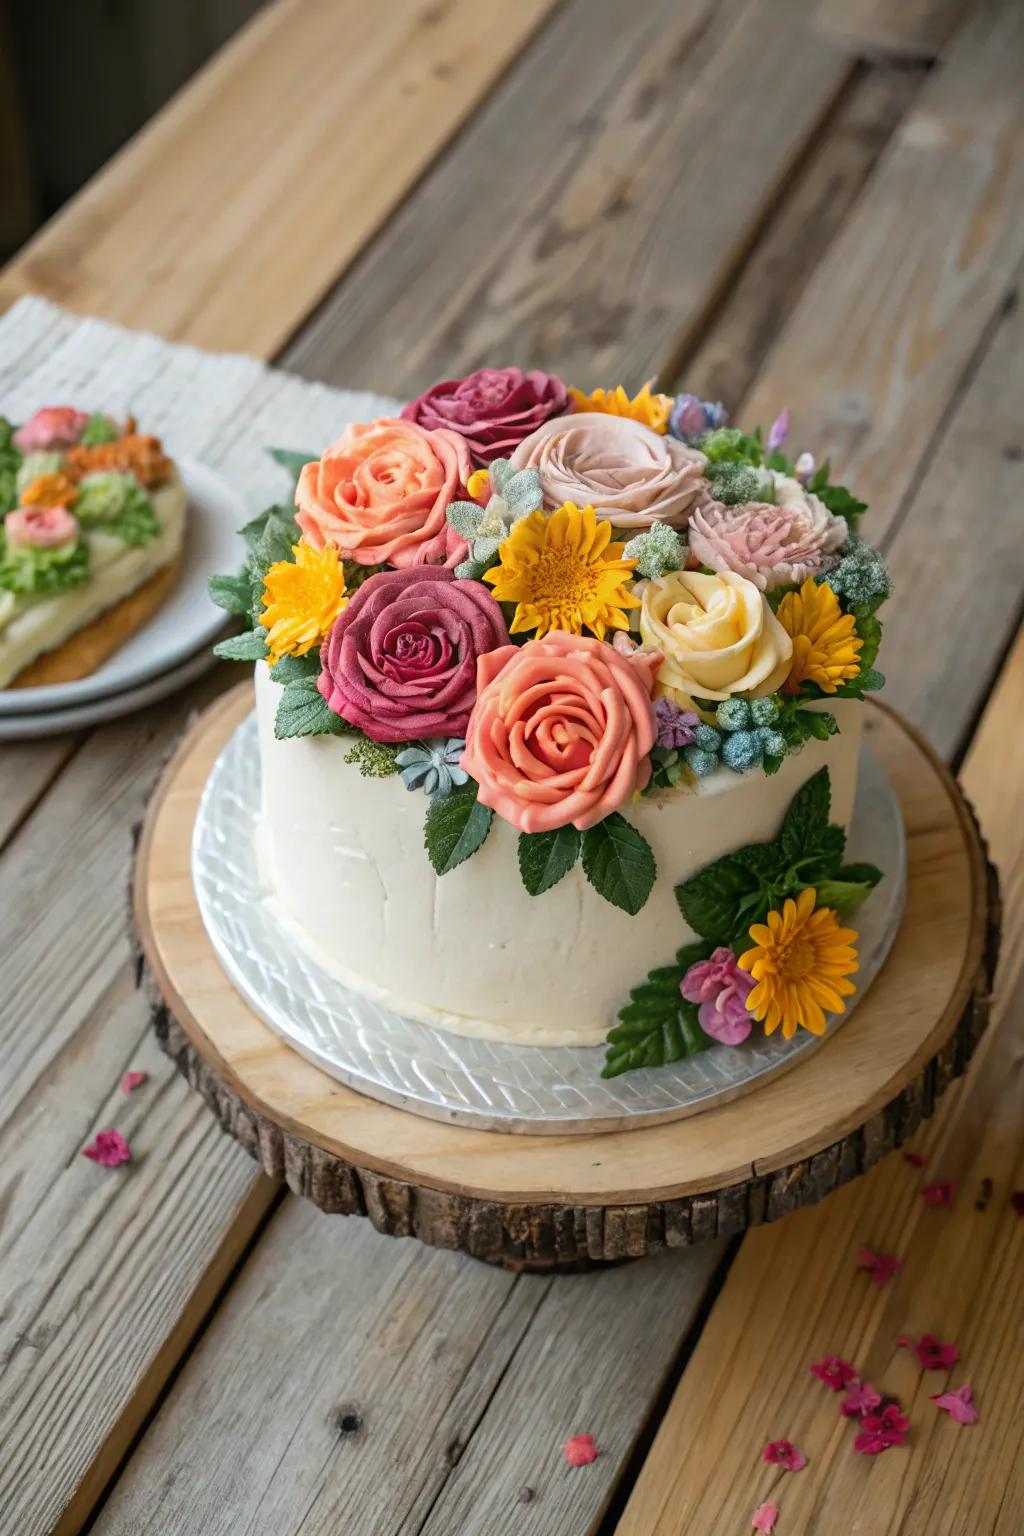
x=400, y=662
x=493, y=409
x=53, y=426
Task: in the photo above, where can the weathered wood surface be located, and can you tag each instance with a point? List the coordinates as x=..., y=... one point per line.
x=794, y=1294
x=916, y=29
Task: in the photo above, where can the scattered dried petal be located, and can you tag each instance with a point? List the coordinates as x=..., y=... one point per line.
x=783, y=1453
x=914, y=1159
x=934, y=1355
x=525, y=1495
x=958, y=1404
x=133, y=1080
x=881, y=1266
x=108, y=1149
x=580, y=1450
x=940, y=1193
x=879, y=1431
x=835, y=1373
x=984, y=1195
x=1017, y=1201
x=765, y=1516
x=861, y=1398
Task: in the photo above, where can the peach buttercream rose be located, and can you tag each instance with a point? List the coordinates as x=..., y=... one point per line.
x=561, y=731
x=717, y=635
x=379, y=494
x=630, y=475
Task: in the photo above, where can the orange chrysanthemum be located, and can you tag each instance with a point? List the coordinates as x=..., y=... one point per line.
x=135, y=454
x=301, y=600
x=801, y=960
x=53, y=490
x=563, y=573
x=826, y=647
x=652, y=410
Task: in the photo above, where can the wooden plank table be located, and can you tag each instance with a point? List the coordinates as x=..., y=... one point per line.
x=748, y=200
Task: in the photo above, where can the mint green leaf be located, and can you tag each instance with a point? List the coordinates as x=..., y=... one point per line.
x=274, y=544
x=465, y=517
x=619, y=863
x=28, y=568
x=668, y=1034
x=807, y=816
x=821, y=724
x=870, y=873
x=290, y=669
x=714, y=900
x=843, y=895
x=841, y=502
x=292, y=460
x=232, y=593
x=252, y=646
x=99, y=429
x=870, y=680
x=545, y=857
x=303, y=711
x=870, y=631
x=456, y=826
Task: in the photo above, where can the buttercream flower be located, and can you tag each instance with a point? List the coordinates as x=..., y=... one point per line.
x=717, y=634
x=652, y=410
x=691, y=417
x=40, y=527
x=379, y=494
x=721, y=989
x=676, y=727
x=561, y=731
x=433, y=766
x=771, y=544
x=563, y=572
x=301, y=600
x=51, y=490
x=136, y=453
x=630, y=475
x=801, y=960
x=54, y=426
x=493, y=409
x=401, y=660
x=826, y=647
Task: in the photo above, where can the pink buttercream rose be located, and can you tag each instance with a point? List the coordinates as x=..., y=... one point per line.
x=40, y=527
x=400, y=661
x=721, y=989
x=631, y=476
x=769, y=543
x=379, y=494
x=561, y=731
x=54, y=426
x=493, y=409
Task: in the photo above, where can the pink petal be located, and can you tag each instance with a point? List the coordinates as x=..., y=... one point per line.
x=580, y=1450
x=939, y=1194
x=783, y=1453
x=933, y=1355
x=765, y=1516
x=133, y=1080
x=835, y=1373
x=958, y=1404
x=860, y=1399
x=882, y=1266
x=914, y=1159
x=108, y=1149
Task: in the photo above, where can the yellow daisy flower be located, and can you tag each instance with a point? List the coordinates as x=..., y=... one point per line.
x=652, y=410
x=800, y=961
x=302, y=600
x=826, y=646
x=564, y=573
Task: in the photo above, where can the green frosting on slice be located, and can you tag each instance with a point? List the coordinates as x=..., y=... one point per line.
x=99, y=429
x=24, y=568
x=35, y=464
x=117, y=504
x=10, y=459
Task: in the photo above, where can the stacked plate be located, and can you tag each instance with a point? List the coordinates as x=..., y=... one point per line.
x=171, y=650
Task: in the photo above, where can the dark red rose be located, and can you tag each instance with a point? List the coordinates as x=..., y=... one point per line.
x=493, y=409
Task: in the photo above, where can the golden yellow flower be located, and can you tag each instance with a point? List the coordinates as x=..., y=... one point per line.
x=302, y=600
x=564, y=573
x=53, y=490
x=478, y=482
x=826, y=646
x=652, y=410
x=800, y=961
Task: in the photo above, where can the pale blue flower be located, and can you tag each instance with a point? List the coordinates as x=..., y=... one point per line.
x=433, y=765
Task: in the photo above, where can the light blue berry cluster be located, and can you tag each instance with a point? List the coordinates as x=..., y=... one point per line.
x=743, y=736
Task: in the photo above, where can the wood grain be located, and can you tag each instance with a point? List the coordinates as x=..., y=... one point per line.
x=874, y=353
x=915, y=29
x=794, y=1293
x=27, y=769
x=236, y=208
x=641, y=197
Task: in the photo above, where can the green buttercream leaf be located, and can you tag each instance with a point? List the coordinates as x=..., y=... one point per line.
x=456, y=826
x=291, y=668
x=374, y=759
x=619, y=863
x=118, y=505
x=24, y=568
x=545, y=857
x=35, y=464
x=303, y=711
x=10, y=461
x=464, y=517
x=807, y=816
x=292, y=460
x=844, y=896
x=658, y=1024
x=232, y=593
x=99, y=429
x=252, y=646
x=714, y=900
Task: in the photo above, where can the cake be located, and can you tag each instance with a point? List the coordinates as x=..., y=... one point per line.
x=93, y=517
x=559, y=702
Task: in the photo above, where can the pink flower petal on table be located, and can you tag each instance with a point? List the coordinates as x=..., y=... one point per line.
x=958, y=1404
x=783, y=1453
x=133, y=1080
x=835, y=1373
x=914, y=1159
x=580, y=1450
x=861, y=1398
x=879, y=1431
x=881, y=1266
x=1017, y=1201
x=765, y=1516
x=940, y=1193
x=108, y=1149
x=934, y=1355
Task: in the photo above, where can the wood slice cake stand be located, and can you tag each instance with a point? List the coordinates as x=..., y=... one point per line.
x=541, y=1201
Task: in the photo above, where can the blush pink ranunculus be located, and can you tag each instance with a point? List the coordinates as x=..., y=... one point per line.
x=379, y=494
x=770, y=543
x=631, y=476
x=400, y=662
x=53, y=426
x=493, y=409
x=561, y=731
x=721, y=989
x=40, y=527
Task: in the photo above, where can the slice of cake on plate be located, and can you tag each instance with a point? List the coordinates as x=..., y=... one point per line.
x=560, y=701
x=93, y=517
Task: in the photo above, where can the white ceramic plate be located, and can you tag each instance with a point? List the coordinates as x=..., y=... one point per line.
x=54, y=722
x=186, y=623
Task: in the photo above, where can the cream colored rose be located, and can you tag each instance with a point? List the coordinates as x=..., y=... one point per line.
x=717, y=634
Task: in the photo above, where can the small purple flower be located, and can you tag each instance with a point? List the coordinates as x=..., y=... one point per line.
x=721, y=989
x=691, y=417
x=676, y=726
x=778, y=430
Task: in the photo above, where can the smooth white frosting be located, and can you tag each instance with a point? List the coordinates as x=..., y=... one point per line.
x=472, y=952
x=30, y=627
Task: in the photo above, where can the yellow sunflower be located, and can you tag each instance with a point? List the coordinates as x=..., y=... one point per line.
x=826, y=646
x=652, y=410
x=563, y=573
x=301, y=600
x=800, y=961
